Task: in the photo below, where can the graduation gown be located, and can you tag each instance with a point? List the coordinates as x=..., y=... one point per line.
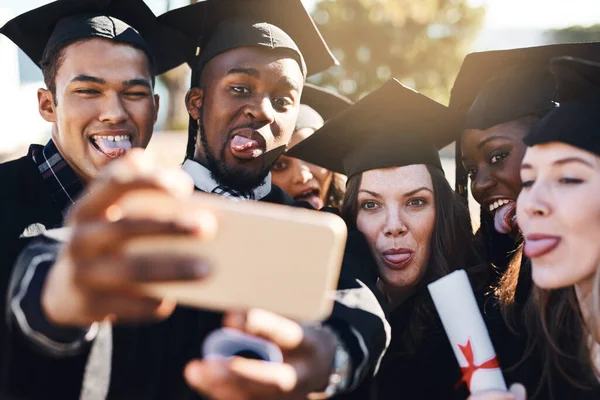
x=148, y=360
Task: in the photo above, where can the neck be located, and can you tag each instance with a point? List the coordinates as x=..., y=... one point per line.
x=395, y=296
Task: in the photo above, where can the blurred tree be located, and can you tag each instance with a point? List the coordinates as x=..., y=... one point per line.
x=421, y=43
x=177, y=82
x=574, y=34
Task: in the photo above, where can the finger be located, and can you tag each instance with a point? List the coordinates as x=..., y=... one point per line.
x=519, y=391
x=118, y=272
x=120, y=178
x=282, y=331
x=129, y=307
x=92, y=239
x=228, y=379
x=492, y=396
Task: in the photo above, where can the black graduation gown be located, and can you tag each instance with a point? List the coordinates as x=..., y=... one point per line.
x=26, y=206
x=148, y=361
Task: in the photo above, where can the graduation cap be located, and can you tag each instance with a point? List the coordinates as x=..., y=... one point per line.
x=212, y=27
x=319, y=105
x=494, y=87
x=575, y=77
x=393, y=126
x=47, y=28
x=576, y=120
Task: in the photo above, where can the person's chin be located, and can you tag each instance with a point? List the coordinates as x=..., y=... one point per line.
x=548, y=275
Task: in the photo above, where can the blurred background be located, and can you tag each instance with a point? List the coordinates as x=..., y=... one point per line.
x=420, y=42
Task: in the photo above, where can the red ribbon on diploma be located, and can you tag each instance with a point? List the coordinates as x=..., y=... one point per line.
x=469, y=370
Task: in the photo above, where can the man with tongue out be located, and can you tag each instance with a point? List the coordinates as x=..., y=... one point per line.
x=247, y=78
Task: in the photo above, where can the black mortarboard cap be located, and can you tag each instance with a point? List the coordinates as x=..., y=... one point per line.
x=575, y=77
x=39, y=31
x=319, y=105
x=213, y=27
x=575, y=122
x=494, y=87
x=391, y=127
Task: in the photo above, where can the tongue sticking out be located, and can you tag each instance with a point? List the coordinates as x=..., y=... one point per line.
x=504, y=218
x=113, y=149
x=245, y=147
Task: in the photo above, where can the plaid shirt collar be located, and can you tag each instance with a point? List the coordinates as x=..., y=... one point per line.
x=62, y=181
x=203, y=180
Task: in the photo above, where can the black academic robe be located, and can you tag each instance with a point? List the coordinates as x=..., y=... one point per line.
x=26, y=207
x=148, y=360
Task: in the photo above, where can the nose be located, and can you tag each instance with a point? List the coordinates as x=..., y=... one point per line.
x=260, y=110
x=301, y=172
x=394, y=226
x=534, y=201
x=483, y=181
x=113, y=110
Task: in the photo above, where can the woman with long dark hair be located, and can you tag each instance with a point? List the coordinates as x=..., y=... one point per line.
x=415, y=228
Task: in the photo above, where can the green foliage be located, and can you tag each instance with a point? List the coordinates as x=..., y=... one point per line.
x=420, y=42
x=575, y=34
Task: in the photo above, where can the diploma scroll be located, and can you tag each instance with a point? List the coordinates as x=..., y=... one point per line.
x=455, y=302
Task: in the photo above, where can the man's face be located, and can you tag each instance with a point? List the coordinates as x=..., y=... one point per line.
x=248, y=104
x=105, y=104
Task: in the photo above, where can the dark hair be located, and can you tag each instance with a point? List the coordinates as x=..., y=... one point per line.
x=555, y=316
x=452, y=248
x=54, y=59
x=335, y=194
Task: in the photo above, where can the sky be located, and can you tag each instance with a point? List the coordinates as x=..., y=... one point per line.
x=541, y=14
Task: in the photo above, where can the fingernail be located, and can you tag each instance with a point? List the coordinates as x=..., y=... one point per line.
x=193, y=269
x=202, y=222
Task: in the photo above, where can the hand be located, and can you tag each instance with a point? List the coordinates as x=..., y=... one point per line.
x=308, y=362
x=94, y=278
x=516, y=392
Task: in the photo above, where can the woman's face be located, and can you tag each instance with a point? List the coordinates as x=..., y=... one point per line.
x=492, y=157
x=559, y=213
x=396, y=213
x=301, y=180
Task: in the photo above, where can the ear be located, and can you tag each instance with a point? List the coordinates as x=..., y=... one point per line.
x=193, y=101
x=156, y=107
x=46, y=105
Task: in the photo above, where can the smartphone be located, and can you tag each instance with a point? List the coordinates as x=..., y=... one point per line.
x=283, y=259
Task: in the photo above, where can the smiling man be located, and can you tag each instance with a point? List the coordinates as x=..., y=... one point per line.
x=99, y=97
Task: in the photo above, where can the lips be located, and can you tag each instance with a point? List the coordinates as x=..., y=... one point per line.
x=397, y=258
x=537, y=245
x=310, y=196
x=504, y=212
x=112, y=145
x=247, y=144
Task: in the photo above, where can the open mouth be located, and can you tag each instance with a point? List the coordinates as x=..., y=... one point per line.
x=112, y=146
x=247, y=145
x=504, y=212
x=310, y=196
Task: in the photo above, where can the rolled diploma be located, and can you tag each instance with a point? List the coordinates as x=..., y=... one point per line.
x=455, y=303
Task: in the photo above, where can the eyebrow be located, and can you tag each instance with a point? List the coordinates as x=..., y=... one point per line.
x=489, y=139
x=88, y=78
x=562, y=161
x=137, y=82
x=289, y=84
x=253, y=72
x=412, y=192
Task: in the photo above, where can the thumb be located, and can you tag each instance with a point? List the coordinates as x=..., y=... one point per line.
x=519, y=391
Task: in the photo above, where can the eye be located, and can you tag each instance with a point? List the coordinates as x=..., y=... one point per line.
x=570, y=181
x=282, y=102
x=279, y=166
x=87, y=91
x=419, y=202
x=240, y=89
x=369, y=205
x=498, y=157
x=136, y=94
x=527, y=183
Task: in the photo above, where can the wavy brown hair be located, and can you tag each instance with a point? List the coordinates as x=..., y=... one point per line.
x=555, y=316
x=452, y=247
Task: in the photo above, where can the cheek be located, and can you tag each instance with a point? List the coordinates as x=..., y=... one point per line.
x=322, y=175
x=370, y=226
x=281, y=178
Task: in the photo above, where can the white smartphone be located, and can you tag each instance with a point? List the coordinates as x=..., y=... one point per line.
x=279, y=258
